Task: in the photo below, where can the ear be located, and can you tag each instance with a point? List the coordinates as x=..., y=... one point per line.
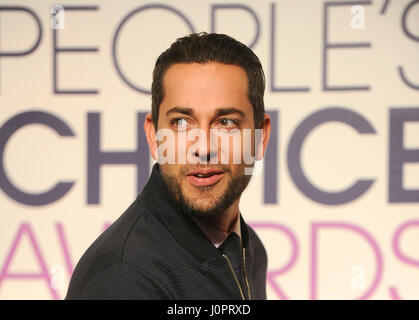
x=150, y=133
x=266, y=134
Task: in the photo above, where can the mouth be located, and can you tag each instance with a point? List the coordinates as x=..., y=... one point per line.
x=205, y=177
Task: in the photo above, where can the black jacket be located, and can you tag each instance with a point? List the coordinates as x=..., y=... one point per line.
x=153, y=251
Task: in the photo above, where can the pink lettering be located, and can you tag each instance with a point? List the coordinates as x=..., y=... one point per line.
x=399, y=254
x=5, y=273
x=272, y=274
x=315, y=228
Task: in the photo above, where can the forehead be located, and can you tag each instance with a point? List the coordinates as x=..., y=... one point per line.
x=205, y=87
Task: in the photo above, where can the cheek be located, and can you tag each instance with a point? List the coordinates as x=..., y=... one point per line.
x=181, y=147
x=171, y=170
x=249, y=141
x=237, y=171
x=240, y=147
x=230, y=147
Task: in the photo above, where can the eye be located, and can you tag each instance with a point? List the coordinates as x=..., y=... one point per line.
x=228, y=123
x=179, y=122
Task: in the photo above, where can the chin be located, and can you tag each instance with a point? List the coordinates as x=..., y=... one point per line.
x=202, y=202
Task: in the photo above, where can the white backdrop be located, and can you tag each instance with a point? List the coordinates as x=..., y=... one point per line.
x=337, y=203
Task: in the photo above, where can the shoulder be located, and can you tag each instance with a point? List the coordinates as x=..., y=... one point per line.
x=121, y=281
x=256, y=244
x=253, y=236
x=124, y=250
x=133, y=232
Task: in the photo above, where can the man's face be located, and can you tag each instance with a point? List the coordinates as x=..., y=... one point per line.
x=205, y=97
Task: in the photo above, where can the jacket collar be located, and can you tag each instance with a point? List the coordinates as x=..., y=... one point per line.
x=156, y=198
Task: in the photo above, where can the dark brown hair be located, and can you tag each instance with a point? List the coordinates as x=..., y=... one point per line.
x=211, y=47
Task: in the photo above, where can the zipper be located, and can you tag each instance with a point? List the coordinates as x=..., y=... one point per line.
x=244, y=275
x=234, y=275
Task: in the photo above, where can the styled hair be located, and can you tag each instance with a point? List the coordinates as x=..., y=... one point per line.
x=206, y=47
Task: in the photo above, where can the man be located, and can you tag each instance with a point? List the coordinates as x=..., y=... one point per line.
x=184, y=236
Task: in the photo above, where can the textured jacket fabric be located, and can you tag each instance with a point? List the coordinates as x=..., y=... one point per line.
x=153, y=251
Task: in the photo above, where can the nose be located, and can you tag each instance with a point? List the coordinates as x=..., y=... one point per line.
x=205, y=157
x=207, y=149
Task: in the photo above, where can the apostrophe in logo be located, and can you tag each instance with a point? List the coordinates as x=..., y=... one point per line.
x=57, y=16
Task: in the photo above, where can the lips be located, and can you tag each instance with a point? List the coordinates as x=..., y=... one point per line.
x=204, y=177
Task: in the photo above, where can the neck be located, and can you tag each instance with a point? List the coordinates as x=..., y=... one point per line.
x=223, y=222
x=218, y=228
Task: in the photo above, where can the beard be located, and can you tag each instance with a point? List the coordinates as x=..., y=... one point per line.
x=218, y=202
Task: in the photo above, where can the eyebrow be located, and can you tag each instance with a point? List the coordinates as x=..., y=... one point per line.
x=185, y=111
x=227, y=111
x=218, y=112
